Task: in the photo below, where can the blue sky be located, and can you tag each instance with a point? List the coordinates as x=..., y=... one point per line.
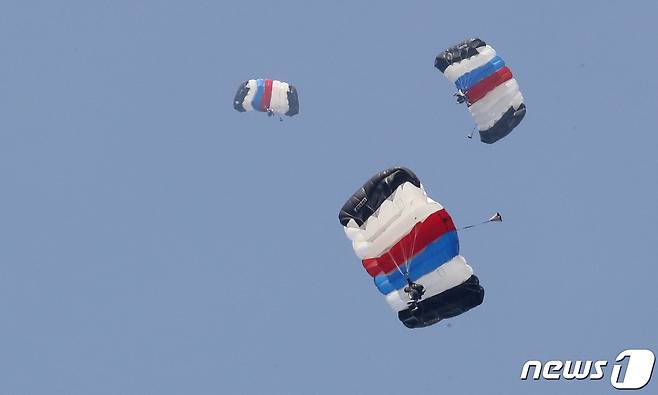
x=155, y=241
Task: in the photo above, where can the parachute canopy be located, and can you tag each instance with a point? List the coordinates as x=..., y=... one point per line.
x=492, y=93
x=400, y=233
x=267, y=96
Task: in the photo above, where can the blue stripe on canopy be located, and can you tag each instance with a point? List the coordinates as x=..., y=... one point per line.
x=435, y=254
x=260, y=89
x=468, y=80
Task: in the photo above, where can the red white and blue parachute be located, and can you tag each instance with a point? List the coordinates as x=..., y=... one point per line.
x=271, y=96
x=492, y=94
x=401, y=234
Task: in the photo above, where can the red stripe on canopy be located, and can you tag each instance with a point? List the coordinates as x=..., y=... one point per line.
x=267, y=96
x=422, y=234
x=485, y=86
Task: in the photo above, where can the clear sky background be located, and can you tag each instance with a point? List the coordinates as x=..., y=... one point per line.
x=155, y=241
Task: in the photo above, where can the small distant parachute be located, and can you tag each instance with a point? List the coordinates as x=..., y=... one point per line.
x=402, y=235
x=486, y=84
x=271, y=96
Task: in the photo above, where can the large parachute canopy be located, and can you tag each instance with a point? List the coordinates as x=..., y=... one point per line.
x=492, y=94
x=271, y=96
x=401, y=234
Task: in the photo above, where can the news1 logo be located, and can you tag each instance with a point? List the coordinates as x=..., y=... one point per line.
x=632, y=369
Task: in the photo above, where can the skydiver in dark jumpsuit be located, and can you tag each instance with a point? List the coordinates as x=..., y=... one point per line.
x=270, y=113
x=415, y=292
x=461, y=96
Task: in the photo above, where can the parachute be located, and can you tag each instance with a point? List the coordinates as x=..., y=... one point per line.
x=269, y=96
x=401, y=234
x=483, y=80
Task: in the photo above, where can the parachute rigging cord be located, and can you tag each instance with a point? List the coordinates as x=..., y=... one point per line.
x=470, y=135
x=396, y=264
x=408, y=257
x=494, y=218
x=405, y=257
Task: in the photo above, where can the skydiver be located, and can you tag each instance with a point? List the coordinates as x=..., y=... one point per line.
x=461, y=96
x=415, y=292
x=270, y=112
